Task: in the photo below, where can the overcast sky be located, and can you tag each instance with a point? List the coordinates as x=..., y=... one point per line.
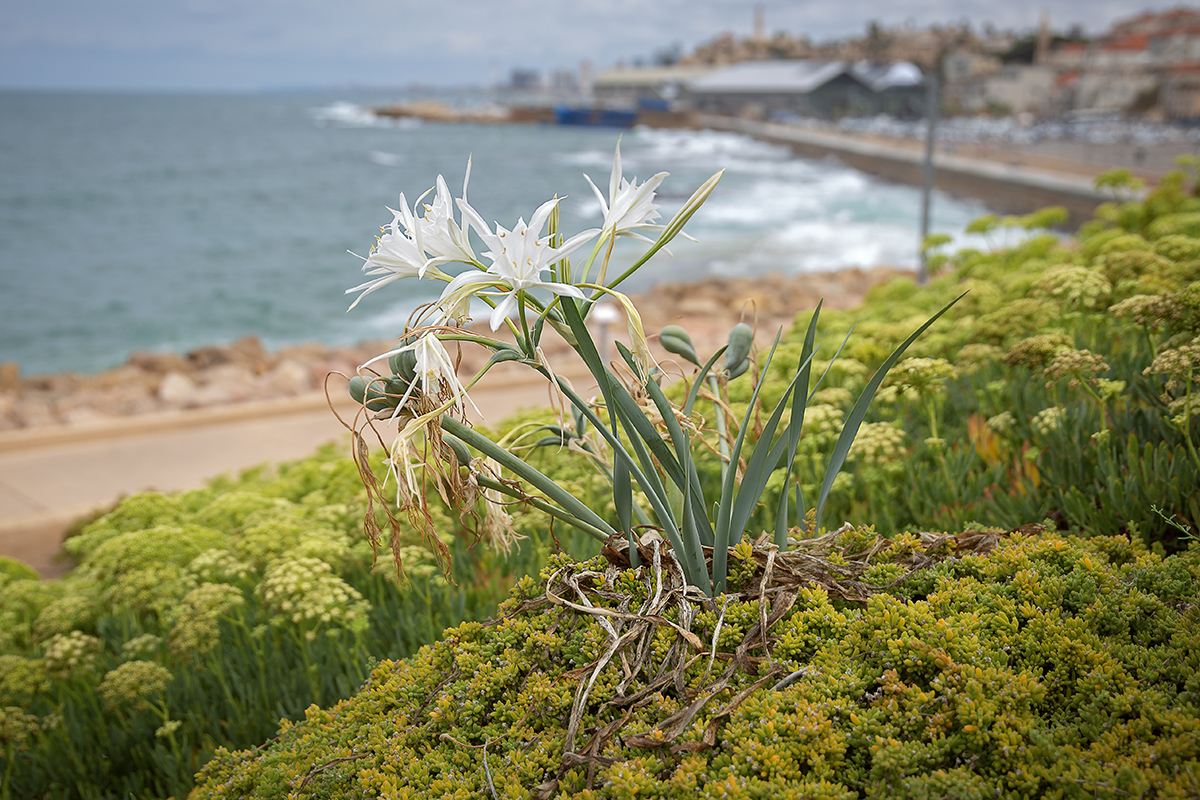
x=271, y=44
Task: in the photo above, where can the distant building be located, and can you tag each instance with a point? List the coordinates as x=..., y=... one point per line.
x=805, y=87
x=525, y=80
x=1019, y=89
x=633, y=87
x=1146, y=62
x=1180, y=94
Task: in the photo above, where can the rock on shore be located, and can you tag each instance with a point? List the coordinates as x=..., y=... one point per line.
x=245, y=371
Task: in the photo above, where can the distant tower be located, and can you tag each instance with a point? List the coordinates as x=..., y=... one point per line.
x=1042, y=53
x=760, y=31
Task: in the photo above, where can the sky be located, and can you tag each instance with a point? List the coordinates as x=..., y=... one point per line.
x=250, y=45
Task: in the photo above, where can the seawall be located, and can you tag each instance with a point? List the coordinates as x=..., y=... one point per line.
x=1004, y=185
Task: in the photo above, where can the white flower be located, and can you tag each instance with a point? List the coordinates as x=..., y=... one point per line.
x=434, y=371
x=397, y=253
x=518, y=258
x=498, y=529
x=441, y=237
x=400, y=463
x=628, y=205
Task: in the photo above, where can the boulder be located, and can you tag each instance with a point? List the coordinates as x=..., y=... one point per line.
x=34, y=409
x=10, y=376
x=288, y=377
x=157, y=363
x=227, y=383
x=177, y=390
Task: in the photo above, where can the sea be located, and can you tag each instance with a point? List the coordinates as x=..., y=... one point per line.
x=168, y=222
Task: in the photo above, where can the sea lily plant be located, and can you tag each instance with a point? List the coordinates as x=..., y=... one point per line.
x=526, y=276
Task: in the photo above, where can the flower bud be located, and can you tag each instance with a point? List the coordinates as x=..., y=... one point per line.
x=676, y=340
x=404, y=364
x=737, y=354
x=459, y=448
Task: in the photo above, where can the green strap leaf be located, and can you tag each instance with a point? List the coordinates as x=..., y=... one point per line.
x=799, y=406
x=694, y=392
x=859, y=412
x=647, y=479
x=764, y=458
x=723, y=534
x=528, y=473
x=696, y=527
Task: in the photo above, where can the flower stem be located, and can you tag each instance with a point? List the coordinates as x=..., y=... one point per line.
x=722, y=432
x=524, y=323
x=542, y=505
x=1187, y=421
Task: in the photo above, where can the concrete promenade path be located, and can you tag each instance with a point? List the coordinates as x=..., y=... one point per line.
x=51, y=477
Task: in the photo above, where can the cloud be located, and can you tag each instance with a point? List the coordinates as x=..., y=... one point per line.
x=258, y=43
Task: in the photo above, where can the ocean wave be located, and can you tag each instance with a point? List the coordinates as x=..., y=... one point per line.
x=385, y=159
x=696, y=148
x=769, y=202
x=347, y=115
x=351, y=115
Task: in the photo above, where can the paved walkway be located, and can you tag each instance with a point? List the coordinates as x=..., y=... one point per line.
x=51, y=477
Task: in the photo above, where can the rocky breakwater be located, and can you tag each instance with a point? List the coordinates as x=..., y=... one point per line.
x=153, y=382
x=245, y=372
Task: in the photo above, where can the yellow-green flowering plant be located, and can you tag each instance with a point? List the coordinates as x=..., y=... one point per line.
x=526, y=276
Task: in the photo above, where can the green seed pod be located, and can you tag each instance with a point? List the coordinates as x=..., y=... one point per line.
x=676, y=340
x=358, y=389
x=384, y=393
x=396, y=387
x=503, y=354
x=404, y=364
x=459, y=448
x=737, y=354
x=742, y=366
x=373, y=396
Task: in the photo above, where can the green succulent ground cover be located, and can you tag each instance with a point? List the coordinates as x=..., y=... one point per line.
x=1065, y=384
x=1062, y=389
x=1048, y=668
x=203, y=618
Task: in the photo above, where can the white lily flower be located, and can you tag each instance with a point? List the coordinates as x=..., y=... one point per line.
x=442, y=238
x=398, y=253
x=434, y=371
x=518, y=258
x=498, y=531
x=400, y=463
x=628, y=207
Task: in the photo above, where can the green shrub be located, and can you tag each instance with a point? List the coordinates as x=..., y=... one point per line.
x=1048, y=668
x=198, y=620
x=1088, y=348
